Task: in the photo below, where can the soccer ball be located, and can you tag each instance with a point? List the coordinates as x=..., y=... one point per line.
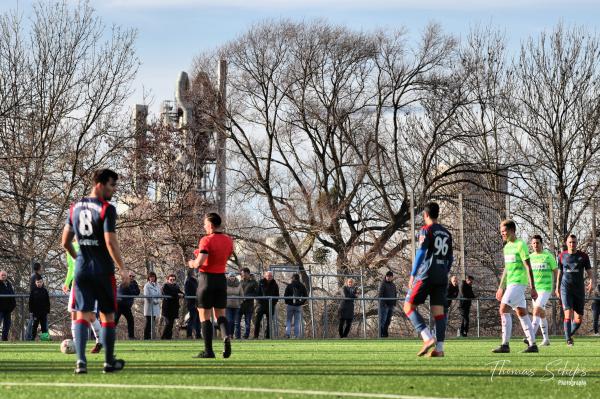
x=67, y=347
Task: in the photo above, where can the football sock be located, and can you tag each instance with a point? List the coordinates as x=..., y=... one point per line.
x=574, y=327
x=96, y=328
x=107, y=337
x=417, y=321
x=73, y=324
x=536, y=324
x=81, y=333
x=544, y=328
x=207, y=335
x=567, y=327
x=440, y=327
x=527, y=328
x=506, y=327
x=222, y=322
x=439, y=346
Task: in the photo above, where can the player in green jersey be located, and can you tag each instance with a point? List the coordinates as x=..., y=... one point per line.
x=511, y=292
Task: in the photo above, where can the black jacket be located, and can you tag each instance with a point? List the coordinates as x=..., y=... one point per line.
x=467, y=292
x=7, y=304
x=347, y=305
x=388, y=289
x=295, y=289
x=170, y=306
x=190, y=287
x=453, y=291
x=267, y=288
x=250, y=289
x=39, y=302
x=132, y=289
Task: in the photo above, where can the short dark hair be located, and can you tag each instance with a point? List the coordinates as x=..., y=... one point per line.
x=570, y=236
x=151, y=274
x=245, y=270
x=295, y=277
x=102, y=176
x=37, y=278
x=432, y=209
x=509, y=224
x=389, y=273
x=171, y=275
x=537, y=237
x=213, y=218
x=470, y=278
x=37, y=266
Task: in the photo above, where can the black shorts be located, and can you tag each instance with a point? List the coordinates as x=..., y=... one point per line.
x=572, y=299
x=422, y=289
x=89, y=288
x=212, y=291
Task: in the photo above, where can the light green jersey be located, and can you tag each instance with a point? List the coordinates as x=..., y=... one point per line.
x=71, y=266
x=514, y=254
x=542, y=266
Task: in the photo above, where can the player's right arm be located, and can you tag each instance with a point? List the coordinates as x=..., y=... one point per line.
x=502, y=286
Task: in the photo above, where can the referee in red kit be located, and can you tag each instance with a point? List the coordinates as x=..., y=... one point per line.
x=212, y=254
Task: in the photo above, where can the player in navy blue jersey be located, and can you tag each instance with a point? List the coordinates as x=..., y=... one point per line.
x=570, y=287
x=429, y=277
x=93, y=221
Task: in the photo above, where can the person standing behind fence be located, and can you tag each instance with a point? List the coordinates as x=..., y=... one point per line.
x=267, y=287
x=596, y=309
x=232, y=312
x=387, y=289
x=452, y=293
x=190, y=287
x=170, y=305
x=37, y=272
x=39, y=307
x=7, y=304
x=347, y=308
x=250, y=290
x=465, y=304
x=151, y=304
x=296, y=290
x=124, y=305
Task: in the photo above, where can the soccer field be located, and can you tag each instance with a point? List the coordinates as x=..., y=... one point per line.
x=307, y=369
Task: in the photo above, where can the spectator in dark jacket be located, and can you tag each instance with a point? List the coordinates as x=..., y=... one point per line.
x=170, y=306
x=39, y=307
x=232, y=311
x=452, y=293
x=250, y=290
x=596, y=309
x=387, y=289
x=124, y=305
x=347, y=308
x=7, y=305
x=266, y=287
x=37, y=273
x=190, y=287
x=296, y=290
x=465, y=305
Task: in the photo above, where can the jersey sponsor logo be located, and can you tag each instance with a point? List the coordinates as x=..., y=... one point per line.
x=539, y=266
x=510, y=258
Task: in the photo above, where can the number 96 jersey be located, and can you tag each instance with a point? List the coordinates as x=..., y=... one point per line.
x=437, y=242
x=89, y=219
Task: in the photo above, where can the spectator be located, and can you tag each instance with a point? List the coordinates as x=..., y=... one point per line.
x=124, y=305
x=190, y=287
x=250, y=290
x=387, y=289
x=452, y=293
x=296, y=290
x=465, y=305
x=170, y=305
x=7, y=304
x=39, y=307
x=347, y=308
x=151, y=305
x=596, y=309
x=232, y=312
x=37, y=273
x=267, y=287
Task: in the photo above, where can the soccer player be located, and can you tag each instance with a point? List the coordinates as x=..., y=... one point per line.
x=511, y=292
x=68, y=289
x=212, y=254
x=429, y=277
x=544, y=268
x=93, y=221
x=570, y=285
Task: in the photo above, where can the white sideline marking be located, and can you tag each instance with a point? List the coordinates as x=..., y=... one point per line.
x=214, y=388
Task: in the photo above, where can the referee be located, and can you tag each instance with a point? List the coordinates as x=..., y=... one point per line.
x=212, y=254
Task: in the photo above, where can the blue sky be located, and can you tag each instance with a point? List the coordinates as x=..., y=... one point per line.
x=172, y=32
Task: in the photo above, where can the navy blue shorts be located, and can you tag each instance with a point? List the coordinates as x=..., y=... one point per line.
x=572, y=299
x=422, y=289
x=89, y=288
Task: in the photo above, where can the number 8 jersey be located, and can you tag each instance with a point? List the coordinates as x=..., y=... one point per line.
x=89, y=219
x=437, y=242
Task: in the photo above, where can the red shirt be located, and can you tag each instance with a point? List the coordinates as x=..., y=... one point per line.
x=219, y=248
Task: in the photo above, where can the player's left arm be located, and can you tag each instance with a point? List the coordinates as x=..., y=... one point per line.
x=199, y=261
x=591, y=278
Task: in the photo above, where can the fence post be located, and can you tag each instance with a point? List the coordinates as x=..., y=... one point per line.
x=477, y=307
x=362, y=303
x=270, y=318
x=461, y=230
x=413, y=247
x=311, y=305
x=326, y=320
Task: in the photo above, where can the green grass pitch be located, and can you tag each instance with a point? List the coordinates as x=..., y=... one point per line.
x=307, y=369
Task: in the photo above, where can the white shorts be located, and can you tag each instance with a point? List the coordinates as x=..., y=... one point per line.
x=514, y=296
x=542, y=299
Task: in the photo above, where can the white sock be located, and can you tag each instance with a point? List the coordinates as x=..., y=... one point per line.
x=96, y=327
x=544, y=328
x=527, y=328
x=439, y=346
x=426, y=335
x=73, y=329
x=506, y=327
x=535, y=324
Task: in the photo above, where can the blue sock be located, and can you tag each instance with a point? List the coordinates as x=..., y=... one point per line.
x=81, y=333
x=574, y=327
x=440, y=328
x=567, y=325
x=417, y=321
x=107, y=337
